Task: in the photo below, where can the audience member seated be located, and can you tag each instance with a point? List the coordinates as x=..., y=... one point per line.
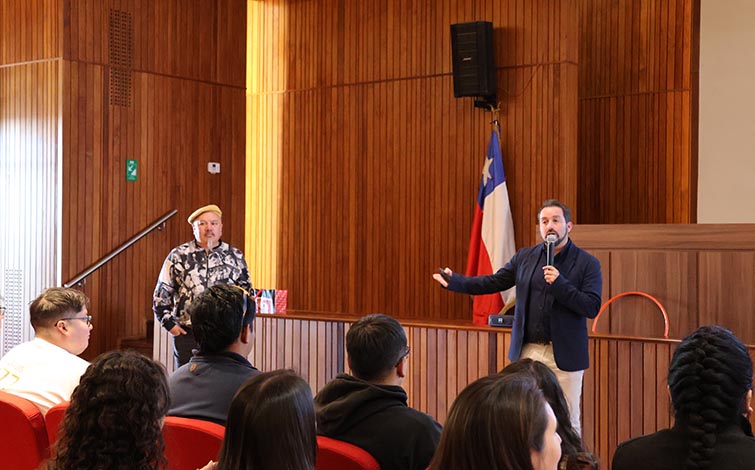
x=369, y=409
x=222, y=322
x=499, y=423
x=271, y=426
x=574, y=455
x=115, y=416
x=710, y=383
x=46, y=369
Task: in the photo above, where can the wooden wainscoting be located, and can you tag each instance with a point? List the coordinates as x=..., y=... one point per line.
x=624, y=392
x=702, y=273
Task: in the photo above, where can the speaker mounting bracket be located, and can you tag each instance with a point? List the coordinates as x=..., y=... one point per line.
x=489, y=103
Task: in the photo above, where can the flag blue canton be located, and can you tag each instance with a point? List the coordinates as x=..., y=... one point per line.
x=492, y=172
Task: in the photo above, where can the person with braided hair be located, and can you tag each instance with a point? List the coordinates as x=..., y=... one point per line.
x=710, y=383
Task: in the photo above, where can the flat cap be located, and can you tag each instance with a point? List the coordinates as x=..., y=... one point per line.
x=202, y=210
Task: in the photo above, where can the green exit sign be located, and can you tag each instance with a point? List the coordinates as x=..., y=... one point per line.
x=131, y=166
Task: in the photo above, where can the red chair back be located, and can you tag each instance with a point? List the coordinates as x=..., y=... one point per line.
x=333, y=454
x=23, y=437
x=53, y=420
x=191, y=443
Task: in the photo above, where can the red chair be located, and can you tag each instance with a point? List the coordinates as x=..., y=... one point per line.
x=191, y=443
x=53, y=420
x=23, y=437
x=333, y=454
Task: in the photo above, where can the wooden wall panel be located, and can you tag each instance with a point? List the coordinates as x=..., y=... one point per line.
x=624, y=393
x=173, y=129
x=198, y=40
x=30, y=30
x=365, y=169
x=638, y=111
x=725, y=290
x=664, y=275
x=702, y=274
x=186, y=108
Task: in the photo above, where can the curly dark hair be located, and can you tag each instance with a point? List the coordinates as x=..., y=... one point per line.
x=115, y=417
x=709, y=377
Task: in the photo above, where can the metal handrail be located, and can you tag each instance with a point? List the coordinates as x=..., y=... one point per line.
x=81, y=277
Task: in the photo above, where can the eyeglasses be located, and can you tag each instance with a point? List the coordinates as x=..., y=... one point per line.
x=244, y=319
x=86, y=318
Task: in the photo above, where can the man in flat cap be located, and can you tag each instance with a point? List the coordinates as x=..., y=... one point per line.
x=191, y=268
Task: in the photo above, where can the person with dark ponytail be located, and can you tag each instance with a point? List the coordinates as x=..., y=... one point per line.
x=710, y=383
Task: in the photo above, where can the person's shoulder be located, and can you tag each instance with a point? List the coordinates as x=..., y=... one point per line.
x=15, y=353
x=583, y=252
x=180, y=372
x=529, y=249
x=183, y=249
x=639, y=447
x=236, y=251
x=421, y=421
x=20, y=347
x=74, y=361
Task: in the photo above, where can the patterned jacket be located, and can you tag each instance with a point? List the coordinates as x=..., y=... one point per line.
x=188, y=271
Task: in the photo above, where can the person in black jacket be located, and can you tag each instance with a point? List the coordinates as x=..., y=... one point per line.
x=553, y=301
x=369, y=409
x=710, y=382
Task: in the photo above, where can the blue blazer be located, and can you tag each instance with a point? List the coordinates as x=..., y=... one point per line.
x=572, y=298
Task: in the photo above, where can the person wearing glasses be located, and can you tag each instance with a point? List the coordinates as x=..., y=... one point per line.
x=222, y=321
x=46, y=369
x=191, y=268
x=369, y=409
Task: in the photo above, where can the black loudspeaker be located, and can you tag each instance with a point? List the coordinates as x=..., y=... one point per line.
x=473, y=64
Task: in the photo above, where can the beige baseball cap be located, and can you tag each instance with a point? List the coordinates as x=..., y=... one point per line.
x=202, y=210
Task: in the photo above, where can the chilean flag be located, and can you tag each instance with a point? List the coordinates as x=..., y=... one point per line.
x=492, y=242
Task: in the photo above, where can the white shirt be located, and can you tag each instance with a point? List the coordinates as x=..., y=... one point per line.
x=41, y=372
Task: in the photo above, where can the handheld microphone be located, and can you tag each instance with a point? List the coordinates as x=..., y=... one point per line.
x=550, y=246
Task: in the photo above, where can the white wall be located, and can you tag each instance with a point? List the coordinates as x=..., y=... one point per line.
x=727, y=112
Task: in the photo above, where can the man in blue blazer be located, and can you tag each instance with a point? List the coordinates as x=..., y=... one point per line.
x=552, y=301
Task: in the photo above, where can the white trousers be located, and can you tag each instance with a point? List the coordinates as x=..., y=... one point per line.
x=571, y=382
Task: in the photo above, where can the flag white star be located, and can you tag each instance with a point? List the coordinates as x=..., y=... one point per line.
x=486, y=171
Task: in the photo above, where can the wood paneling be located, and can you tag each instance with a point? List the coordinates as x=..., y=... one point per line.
x=173, y=129
x=726, y=298
x=364, y=170
x=30, y=30
x=186, y=109
x=664, y=275
x=197, y=40
x=638, y=109
x=624, y=393
x=702, y=273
